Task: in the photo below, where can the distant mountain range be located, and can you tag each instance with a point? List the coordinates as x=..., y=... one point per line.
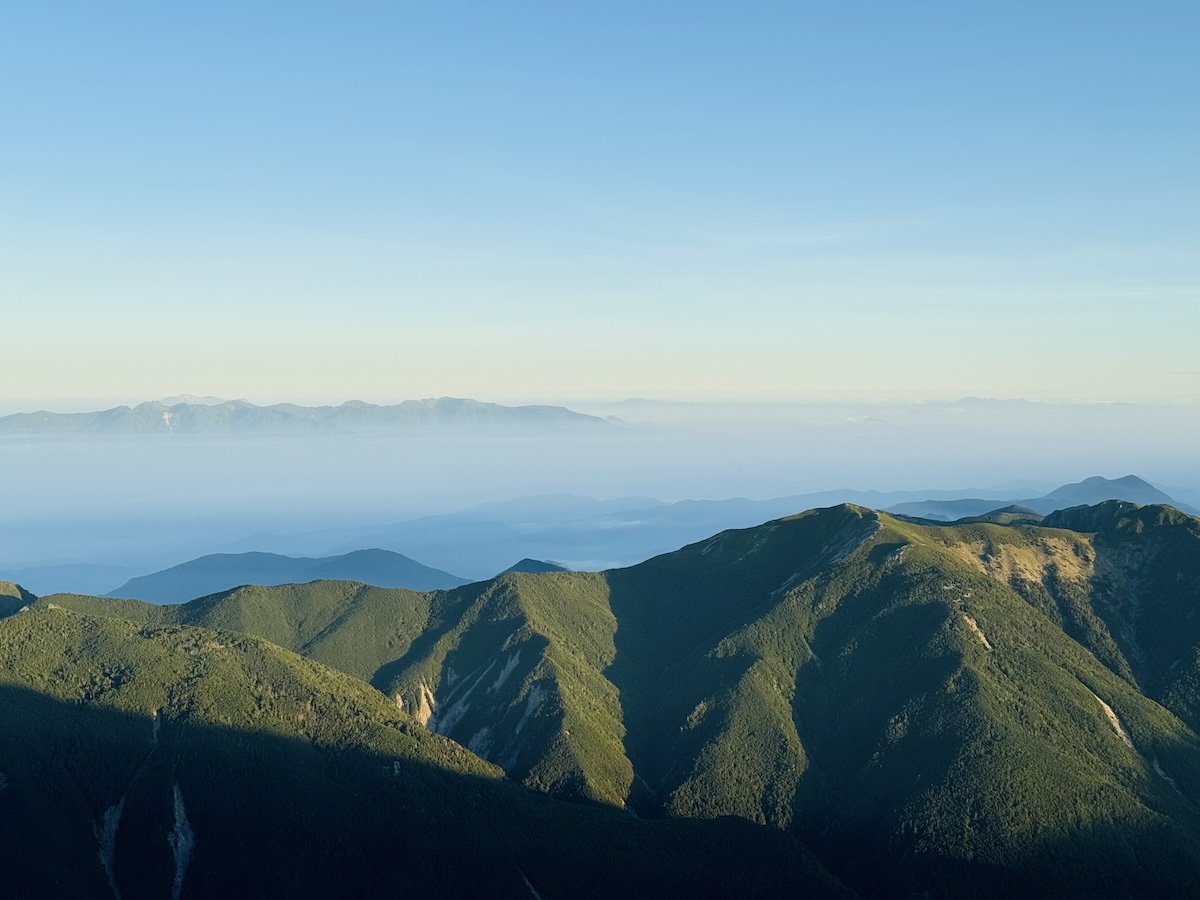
x=201, y=415
x=987, y=709
x=587, y=534
x=579, y=533
x=576, y=531
x=1083, y=493
x=222, y=571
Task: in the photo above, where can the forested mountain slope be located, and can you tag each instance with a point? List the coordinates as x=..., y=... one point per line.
x=981, y=708
x=143, y=761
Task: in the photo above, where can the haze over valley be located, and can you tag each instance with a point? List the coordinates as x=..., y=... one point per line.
x=123, y=491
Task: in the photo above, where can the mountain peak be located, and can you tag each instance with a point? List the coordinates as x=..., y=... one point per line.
x=534, y=567
x=1128, y=487
x=1089, y=518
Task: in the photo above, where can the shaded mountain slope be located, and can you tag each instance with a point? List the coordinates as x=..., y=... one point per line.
x=1144, y=585
x=895, y=705
x=512, y=668
x=965, y=709
x=12, y=598
x=152, y=761
x=1122, y=580
x=223, y=571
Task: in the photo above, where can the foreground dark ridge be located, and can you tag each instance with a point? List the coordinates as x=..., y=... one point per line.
x=981, y=709
x=154, y=762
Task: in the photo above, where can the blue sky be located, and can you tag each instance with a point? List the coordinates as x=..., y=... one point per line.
x=310, y=201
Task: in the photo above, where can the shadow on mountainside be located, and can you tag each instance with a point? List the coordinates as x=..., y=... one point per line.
x=275, y=816
x=890, y=720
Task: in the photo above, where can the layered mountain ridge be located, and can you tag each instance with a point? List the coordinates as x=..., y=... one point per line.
x=975, y=709
x=222, y=571
x=1096, y=489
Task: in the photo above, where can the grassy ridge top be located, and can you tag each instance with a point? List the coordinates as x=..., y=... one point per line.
x=352, y=627
x=212, y=677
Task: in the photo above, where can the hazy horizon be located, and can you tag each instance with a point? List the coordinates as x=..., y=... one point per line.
x=806, y=238
x=158, y=499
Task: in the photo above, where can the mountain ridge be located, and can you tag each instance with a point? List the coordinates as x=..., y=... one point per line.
x=981, y=708
x=241, y=416
x=169, y=758
x=578, y=532
x=1092, y=490
x=593, y=535
x=223, y=571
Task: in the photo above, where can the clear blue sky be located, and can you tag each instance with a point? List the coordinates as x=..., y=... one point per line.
x=300, y=201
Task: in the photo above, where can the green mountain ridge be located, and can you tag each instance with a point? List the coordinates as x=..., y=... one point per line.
x=985, y=708
x=144, y=761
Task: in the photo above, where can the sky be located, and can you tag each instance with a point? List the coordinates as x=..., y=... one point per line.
x=317, y=202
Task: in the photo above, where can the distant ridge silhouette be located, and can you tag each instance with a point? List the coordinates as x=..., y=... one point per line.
x=193, y=415
x=223, y=571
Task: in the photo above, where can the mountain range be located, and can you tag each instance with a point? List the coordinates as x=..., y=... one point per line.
x=222, y=571
x=1003, y=707
x=201, y=416
x=1092, y=490
x=578, y=532
x=589, y=534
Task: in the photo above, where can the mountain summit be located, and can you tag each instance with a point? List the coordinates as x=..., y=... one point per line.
x=1097, y=489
